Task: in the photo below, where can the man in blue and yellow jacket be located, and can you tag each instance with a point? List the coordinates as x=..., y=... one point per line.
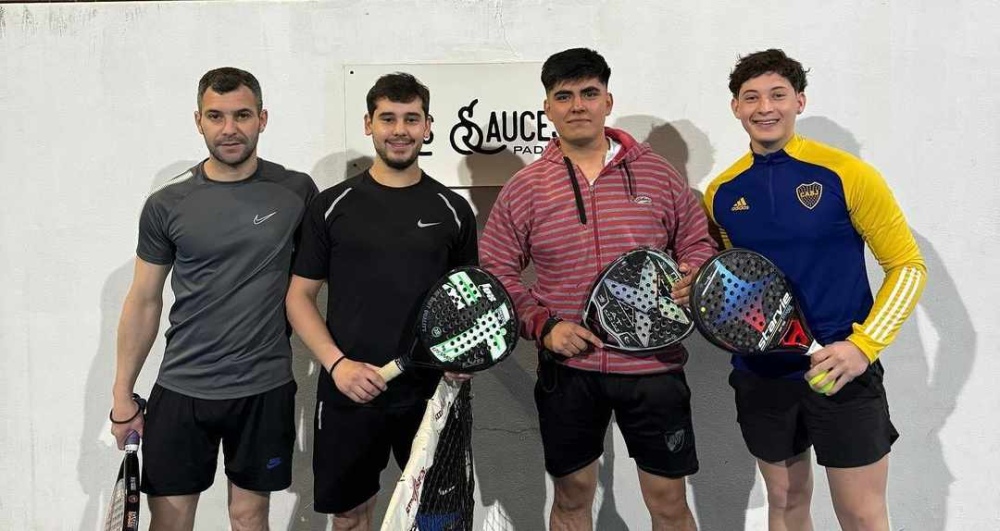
x=811, y=209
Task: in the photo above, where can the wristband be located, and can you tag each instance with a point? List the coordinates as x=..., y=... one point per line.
x=549, y=325
x=334, y=366
x=138, y=410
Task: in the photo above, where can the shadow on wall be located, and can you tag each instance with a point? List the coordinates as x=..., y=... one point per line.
x=337, y=167
x=328, y=171
x=509, y=456
x=723, y=486
x=928, y=386
x=510, y=471
x=99, y=456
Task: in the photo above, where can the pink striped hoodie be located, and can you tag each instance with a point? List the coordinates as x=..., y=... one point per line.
x=637, y=200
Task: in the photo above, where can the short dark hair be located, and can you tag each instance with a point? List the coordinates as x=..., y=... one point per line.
x=574, y=64
x=399, y=87
x=228, y=79
x=773, y=61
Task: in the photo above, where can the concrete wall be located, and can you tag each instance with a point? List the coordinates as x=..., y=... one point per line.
x=95, y=111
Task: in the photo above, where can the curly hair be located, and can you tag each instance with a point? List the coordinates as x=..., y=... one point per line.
x=767, y=62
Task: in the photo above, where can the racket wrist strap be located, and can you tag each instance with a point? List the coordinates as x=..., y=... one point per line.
x=548, y=326
x=139, y=403
x=334, y=365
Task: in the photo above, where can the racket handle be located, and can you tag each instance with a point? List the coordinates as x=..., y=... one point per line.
x=813, y=348
x=390, y=370
x=132, y=441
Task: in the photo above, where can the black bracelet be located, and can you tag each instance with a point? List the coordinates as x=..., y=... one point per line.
x=139, y=403
x=334, y=366
x=547, y=328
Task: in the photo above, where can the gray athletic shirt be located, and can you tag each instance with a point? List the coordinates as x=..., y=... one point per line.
x=230, y=245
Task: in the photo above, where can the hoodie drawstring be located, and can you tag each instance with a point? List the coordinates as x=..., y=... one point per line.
x=576, y=191
x=629, y=180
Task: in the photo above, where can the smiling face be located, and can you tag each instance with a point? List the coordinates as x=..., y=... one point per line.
x=767, y=106
x=578, y=110
x=231, y=124
x=398, y=131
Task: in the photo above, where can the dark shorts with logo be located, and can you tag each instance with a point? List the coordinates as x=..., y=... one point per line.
x=180, y=445
x=781, y=418
x=653, y=413
x=352, y=448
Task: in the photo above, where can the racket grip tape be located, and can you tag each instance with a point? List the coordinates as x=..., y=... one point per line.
x=391, y=370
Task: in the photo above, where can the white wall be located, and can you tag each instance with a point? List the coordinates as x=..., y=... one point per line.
x=95, y=107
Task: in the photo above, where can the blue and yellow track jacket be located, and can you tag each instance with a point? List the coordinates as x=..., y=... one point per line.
x=811, y=208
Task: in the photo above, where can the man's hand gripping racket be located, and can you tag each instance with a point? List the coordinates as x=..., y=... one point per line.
x=123, y=507
x=744, y=304
x=631, y=307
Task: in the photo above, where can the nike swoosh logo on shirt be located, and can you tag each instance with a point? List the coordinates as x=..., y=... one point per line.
x=257, y=220
x=423, y=225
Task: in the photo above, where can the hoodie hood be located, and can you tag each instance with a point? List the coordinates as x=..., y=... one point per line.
x=631, y=148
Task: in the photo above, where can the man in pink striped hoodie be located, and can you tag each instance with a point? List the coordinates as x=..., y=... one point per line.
x=594, y=194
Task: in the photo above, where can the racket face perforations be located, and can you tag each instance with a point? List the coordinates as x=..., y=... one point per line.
x=742, y=302
x=630, y=306
x=468, y=321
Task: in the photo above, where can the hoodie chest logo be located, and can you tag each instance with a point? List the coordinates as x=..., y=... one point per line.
x=809, y=194
x=642, y=200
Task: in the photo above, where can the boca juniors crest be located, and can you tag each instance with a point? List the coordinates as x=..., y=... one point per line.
x=809, y=194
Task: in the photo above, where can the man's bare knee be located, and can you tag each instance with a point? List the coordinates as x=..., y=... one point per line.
x=172, y=513
x=670, y=508
x=574, y=493
x=248, y=509
x=356, y=519
x=782, y=495
x=789, y=484
x=248, y=520
x=666, y=501
x=347, y=521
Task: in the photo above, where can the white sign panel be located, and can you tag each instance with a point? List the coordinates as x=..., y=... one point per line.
x=488, y=118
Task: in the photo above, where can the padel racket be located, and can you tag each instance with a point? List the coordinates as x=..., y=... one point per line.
x=744, y=304
x=466, y=323
x=630, y=307
x=123, y=509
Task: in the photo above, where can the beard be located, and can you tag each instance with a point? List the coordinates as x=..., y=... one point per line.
x=397, y=164
x=231, y=160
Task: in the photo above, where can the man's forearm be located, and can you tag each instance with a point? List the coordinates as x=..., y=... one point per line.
x=308, y=324
x=137, y=329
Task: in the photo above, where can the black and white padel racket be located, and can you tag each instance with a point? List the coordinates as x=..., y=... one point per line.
x=744, y=304
x=630, y=307
x=467, y=323
x=123, y=508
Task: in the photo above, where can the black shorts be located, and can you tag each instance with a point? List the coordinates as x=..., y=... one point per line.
x=352, y=446
x=652, y=411
x=781, y=418
x=180, y=445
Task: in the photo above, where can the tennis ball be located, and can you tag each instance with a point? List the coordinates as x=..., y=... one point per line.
x=819, y=378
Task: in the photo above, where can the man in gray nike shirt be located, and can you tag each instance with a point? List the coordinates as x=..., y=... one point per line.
x=227, y=228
